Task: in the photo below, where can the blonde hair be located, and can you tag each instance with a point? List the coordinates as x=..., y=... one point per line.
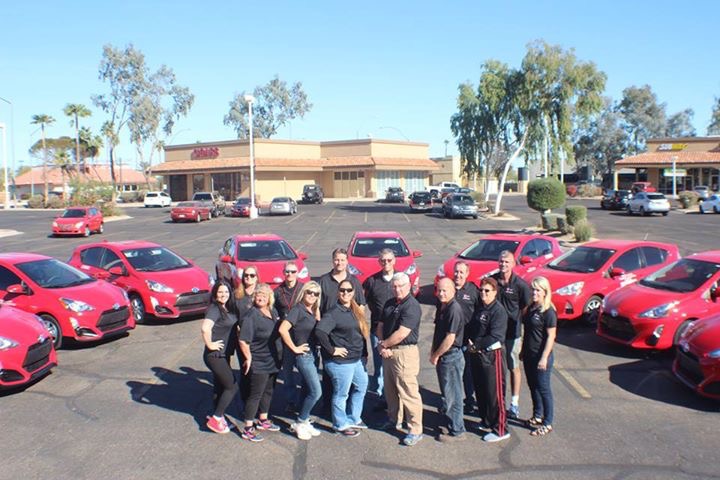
x=264, y=287
x=543, y=284
x=240, y=290
x=358, y=313
x=315, y=287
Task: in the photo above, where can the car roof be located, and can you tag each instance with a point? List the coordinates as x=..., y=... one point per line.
x=614, y=244
x=516, y=236
x=121, y=244
x=257, y=237
x=20, y=257
x=377, y=234
x=712, y=256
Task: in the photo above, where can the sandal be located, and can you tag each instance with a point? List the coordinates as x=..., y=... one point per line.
x=542, y=431
x=534, y=422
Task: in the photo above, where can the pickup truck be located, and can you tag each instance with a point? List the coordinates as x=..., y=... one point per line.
x=436, y=190
x=211, y=198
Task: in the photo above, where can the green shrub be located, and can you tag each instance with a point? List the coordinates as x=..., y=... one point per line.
x=688, y=198
x=583, y=231
x=551, y=221
x=55, y=202
x=564, y=226
x=131, y=197
x=36, y=201
x=109, y=209
x=479, y=198
x=575, y=213
x=545, y=194
x=588, y=190
x=87, y=193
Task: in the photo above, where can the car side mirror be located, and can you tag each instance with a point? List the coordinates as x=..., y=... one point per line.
x=714, y=294
x=417, y=253
x=616, y=272
x=103, y=275
x=524, y=260
x=18, y=289
x=117, y=270
x=226, y=259
x=302, y=255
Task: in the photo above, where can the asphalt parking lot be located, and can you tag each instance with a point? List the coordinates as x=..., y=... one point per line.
x=135, y=406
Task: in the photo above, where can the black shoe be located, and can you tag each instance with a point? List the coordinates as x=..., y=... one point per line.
x=469, y=409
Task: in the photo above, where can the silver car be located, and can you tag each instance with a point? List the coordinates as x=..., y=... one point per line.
x=646, y=203
x=459, y=205
x=283, y=206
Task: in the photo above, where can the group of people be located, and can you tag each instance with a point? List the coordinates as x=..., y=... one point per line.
x=478, y=334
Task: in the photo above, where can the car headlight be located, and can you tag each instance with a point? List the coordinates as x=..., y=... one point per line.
x=158, y=287
x=304, y=273
x=572, y=289
x=455, y=207
x=660, y=311
x=441, y=271
x=7, y=343
x=76, y=306
x=411, y=269
x=55, y=224
x=79, y=224
x=125, y=296
x=351, y=268
x=713, y=354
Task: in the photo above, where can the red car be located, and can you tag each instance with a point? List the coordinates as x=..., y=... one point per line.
x=531, y=252
x=158, y=281
x=241, y=207
x=26, y=348
x=654, y=312
x=268, y=252
x=78, y=221
x=70, y=303
x=697, y=363
x=582, y=277
x=364, y=250
x=190, y=212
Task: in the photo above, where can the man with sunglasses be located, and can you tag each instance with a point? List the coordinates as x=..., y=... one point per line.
x=285, y=295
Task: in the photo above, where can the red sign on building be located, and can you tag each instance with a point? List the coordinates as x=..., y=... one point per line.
x=205, y=152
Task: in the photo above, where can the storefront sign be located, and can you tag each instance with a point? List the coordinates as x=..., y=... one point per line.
x=679, y=172
x=671, y=147
x=205, y=152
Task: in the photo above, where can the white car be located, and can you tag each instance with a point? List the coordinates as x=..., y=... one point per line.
x=712, y=204
x=646, y=203
x=157, y=199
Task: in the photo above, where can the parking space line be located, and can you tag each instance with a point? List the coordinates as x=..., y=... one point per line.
x=572, y=382
x=308, y=240
x=331, y=215
x=295, y=217
x=365, y=217
x=406, y=217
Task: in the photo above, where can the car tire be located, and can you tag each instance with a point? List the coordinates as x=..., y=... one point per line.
x=54, y=328
x=680, y=330
x=198, y=219
x=629, y=211
x=702, y=210
x=475, y=217
x=591, y=310
x=137, y=308
x=715, y=209
x=642, y=212
x=86, y=233
x=101, y=230
x=665, y=214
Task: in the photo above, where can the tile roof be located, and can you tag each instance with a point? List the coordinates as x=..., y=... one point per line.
x=96, y=172
x=665, y=158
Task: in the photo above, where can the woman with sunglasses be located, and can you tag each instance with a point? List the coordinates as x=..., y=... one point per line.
x=261, y=351
x=297, y=332
x=285, y=297
x=343, y=333
x=243, y=295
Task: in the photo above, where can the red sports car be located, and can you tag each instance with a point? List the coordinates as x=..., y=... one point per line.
x=190, y=212
x=654, y=312
x=531, y=252
x=158, y=281
x=241, y=207
x=78, y=221
x=697, y=363
x=268, y=252
x=582, y=277
x=364, y=250
x=70, y=303
x=26, y=348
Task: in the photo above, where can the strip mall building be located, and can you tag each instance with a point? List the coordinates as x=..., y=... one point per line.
x=344, y=169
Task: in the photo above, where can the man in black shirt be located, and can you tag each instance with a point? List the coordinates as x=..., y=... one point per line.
x=467, y=296
x=330, y=281
x=399, y=330
x=284, y=300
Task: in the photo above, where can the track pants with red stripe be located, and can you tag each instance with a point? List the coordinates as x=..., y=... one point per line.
x=488, y=369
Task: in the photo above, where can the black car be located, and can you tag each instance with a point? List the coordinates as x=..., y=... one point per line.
x=420, y=201
x=312, y=194
x=395, y=194
x=615, y=199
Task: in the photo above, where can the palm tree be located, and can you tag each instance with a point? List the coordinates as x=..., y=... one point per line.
x=43, y=120
x=77, y=110
x=62, y=160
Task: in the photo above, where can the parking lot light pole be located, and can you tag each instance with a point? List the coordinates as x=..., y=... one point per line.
x=5, y=167
x=253, y=208
x=674, y=174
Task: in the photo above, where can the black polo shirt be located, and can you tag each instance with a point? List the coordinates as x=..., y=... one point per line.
x=303, y=325
x=449, y=318
x=514, y=295
x=224, y=328
x=377, y=293
x=405, y=313
x=261, y=333
x=536, y=324
x=488, y=325
x=339, y=328
x=330, y=290
x=240, y=307
x=285, y=298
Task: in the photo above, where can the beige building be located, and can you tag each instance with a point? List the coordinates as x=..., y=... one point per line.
x=344, y=169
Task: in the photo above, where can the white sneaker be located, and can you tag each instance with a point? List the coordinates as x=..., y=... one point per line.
x=311, y=428
x=301, y=429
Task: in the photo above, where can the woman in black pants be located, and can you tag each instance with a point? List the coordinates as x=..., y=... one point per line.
x=219, y=332
x=259, y=342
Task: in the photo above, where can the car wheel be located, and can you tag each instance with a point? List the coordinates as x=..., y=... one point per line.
x=198, y=218
x=715, y=209
x=475, y=217
x=629, y=210
x=102, y=228
x=680, y=330
x=591, y=310
x=54, y=328
x=642, y=211
x=665, y=214
x=138, y=308
x=701, y=209
x=86, y=233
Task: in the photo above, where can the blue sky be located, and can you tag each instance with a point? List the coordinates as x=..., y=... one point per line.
x=364, y=66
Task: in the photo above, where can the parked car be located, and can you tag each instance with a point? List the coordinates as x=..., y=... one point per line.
x=482, y=256
x=313, y=194
x=642, y=187
x=267, y=252
x=712, y=204
x=703, y=191
x=191, y=212
x=26, y=348
x=395, y=194
x=364, y=250
x=283, y=206
x=648, y=203
x=157, y=199
x=214, y=200
x=241, y=207
x=697, y=361
x=653, y=313
x=79, y=221
x=158, y=281
x=615, y=199
x=446, y=191
x=70, y=303
x=459, y=205
x=435, y=190
x=420, y=201
x=582, y=277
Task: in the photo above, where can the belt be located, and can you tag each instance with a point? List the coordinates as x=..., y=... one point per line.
x=397, y=347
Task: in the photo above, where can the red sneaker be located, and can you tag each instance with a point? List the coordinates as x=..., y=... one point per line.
x=217, y=426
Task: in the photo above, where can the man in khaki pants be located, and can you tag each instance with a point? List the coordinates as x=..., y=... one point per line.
x=398, y=331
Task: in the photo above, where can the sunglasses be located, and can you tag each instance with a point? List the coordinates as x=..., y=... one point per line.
x=386, y=260
x=345, y=290
x=314, y=294
x=290, y=271
x=486, y=290
x=250, y=275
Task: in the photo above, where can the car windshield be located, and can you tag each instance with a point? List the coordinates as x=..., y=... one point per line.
x=73, y=213
x=623, y=193
x=685, y=275
x=150, y=194
x=310, y=188
x=371, y=247
x=202, y=196
x=242, y=201
x=281, y=200
x=52, y=273
x=582, y=260
x=489, y=249
x=656, y=196
x=421, y=196
x=187, y=204
x=265, y=251
x=463, y=200
x=394, y=190
x=154, y=259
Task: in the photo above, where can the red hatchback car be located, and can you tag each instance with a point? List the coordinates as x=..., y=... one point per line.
x=78, y=221
x=654, y=312
x=697, y=363
x=190, y=212
x=241, y=207
x=26, y=348
x=268, y=252
x=70, y=303
x=158, y=281
x=364, y=250
x=582, y=277
x=531, y=252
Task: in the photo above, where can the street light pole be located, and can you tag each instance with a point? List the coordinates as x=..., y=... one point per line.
x=5, y=172
x=253, y=208
x=12, y=137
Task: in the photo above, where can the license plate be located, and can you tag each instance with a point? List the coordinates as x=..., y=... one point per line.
x=181, y=216
x=422, y=204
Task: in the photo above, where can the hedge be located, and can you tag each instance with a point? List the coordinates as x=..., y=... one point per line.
x=575, y=213
x=545, y=194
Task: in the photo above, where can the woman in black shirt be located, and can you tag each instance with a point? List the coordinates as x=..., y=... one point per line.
x=243, y=294
x=297, y=332
x=219, y=333
x=261, y=351
x=540, y=324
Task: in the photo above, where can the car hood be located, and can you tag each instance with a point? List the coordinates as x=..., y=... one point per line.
x=99, y=294
x=70, y=221
x=23, y=327
x=369, y=265
x=634, y=299
x=180, y=280
x=478, y=268
x=272, y=272
x=559, y=279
